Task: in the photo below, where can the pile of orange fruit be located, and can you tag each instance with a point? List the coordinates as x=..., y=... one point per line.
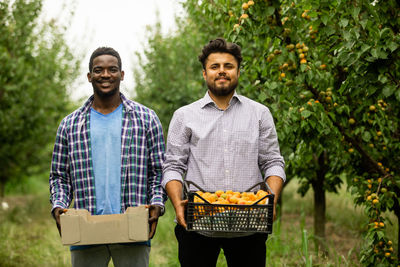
x=230, y=197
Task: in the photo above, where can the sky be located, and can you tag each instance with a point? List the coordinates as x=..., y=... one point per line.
x=120, y=24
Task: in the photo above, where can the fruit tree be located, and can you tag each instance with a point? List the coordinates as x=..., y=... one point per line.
x=329, y=70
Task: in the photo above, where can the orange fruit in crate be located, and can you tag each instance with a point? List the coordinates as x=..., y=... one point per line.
x=233, y=200
x=251, y=196
x=219, y=192
x=230, y=197
x=261, y=194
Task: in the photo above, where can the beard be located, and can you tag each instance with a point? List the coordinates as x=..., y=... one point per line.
x=222, y=90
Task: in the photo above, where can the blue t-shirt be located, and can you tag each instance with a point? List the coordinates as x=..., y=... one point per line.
x=105, y=138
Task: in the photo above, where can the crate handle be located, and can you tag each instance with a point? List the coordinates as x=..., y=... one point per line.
x=188, y=183
x=261, y=183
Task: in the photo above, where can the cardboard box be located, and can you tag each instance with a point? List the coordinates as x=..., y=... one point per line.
x=78, y=227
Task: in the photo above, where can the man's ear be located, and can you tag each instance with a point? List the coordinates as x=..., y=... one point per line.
x=122, y=75
x=204, y=74
x=89, y=77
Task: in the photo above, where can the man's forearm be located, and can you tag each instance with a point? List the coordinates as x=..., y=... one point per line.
x=174, y=191
x=276, y=184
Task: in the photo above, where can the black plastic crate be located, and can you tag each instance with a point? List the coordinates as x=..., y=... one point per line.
x=230, y=218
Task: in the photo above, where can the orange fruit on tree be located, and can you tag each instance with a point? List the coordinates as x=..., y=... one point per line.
x=244, y=16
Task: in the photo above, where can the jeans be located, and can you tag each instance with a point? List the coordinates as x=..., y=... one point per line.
x=122, y=255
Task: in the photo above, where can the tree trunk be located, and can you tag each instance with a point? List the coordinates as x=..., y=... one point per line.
x=396, y=209
x=2, y=187
x=320, y=205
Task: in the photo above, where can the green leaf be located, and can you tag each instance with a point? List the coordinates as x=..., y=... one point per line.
x=262, y=96
x=325, y=19
x=366, y=136
x=390, y=203
x=346, y=35
x=354, y=12
x=364, y=23
x=388, y=90
x=270, y=11
x=343, y=22
x=273, y=85
x=397, y=94
x=380, y=234
x=374, y=53
x=306, y=113
x=365, y=47
x=393, y=46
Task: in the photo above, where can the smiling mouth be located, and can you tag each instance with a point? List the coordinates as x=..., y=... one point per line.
x=105, y=84
x=222, y=79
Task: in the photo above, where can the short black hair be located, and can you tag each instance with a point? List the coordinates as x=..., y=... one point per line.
x=219, y=45
x=104, y=51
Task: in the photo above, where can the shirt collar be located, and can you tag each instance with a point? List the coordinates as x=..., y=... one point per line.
x=207, y=100
x=88, y=104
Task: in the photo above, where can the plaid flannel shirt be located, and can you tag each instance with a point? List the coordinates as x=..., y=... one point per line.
x=142, y=154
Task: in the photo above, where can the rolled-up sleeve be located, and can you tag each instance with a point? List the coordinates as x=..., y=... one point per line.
x=60, y=183
x=177, y=153
x=155, y=141
x=270, y=159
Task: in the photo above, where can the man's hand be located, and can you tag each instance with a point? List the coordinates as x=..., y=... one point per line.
x=56, y=214
x=276, y=184
x=180, y=212
x=174, y=191
x=154, y=213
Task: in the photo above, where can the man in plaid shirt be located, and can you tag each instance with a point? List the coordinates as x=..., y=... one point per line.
x=108, y=156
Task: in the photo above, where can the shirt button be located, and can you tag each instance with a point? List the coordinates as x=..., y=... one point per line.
x=226, y=150
x=224, y=131
x=227, y=171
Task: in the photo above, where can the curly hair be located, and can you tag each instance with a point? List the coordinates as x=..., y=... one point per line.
x=219, y=45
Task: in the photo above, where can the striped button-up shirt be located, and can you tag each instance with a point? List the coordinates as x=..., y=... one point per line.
x=230, y=149
x=142, y=154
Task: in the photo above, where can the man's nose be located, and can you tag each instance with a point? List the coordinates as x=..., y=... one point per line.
x=105, y=73
x=221, y=70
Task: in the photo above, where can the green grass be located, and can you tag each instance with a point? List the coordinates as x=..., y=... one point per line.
x=28, y=236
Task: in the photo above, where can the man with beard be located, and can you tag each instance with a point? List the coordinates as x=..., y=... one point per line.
x=223, y=141
x=107, y=157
